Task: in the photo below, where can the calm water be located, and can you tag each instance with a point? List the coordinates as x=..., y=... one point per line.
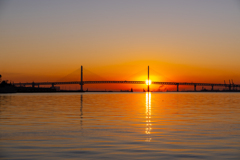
x=120, y=126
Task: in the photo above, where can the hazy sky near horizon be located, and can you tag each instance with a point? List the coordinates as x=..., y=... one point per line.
x=55, y=37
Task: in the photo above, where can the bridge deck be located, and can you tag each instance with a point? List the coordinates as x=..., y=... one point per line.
x=128, y=82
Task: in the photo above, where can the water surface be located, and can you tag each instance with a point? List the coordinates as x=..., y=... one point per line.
x=120, y=126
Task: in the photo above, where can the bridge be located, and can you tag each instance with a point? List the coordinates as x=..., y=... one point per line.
x=230, y=86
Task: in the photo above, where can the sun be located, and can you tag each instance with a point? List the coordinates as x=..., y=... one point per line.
x=148, y=82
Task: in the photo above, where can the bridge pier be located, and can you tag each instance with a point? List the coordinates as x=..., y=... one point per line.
x=52, y=85
x=229, y=86
x=195, y=87
x=33, y=84
x=212, y=87
x=177, y=87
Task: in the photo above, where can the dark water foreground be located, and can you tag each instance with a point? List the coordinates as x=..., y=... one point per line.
x=120, y=126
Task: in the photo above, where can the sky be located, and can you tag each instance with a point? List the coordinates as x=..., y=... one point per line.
x=182, y=40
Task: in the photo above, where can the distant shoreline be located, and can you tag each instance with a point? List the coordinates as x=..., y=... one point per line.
x=66, y=91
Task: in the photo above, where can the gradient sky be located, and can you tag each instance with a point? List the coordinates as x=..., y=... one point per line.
x=184, y=40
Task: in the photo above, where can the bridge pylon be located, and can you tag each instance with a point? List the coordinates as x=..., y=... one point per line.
x=148, y=79
x=81, y=83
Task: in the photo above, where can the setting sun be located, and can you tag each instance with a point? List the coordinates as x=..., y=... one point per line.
x=148, y=82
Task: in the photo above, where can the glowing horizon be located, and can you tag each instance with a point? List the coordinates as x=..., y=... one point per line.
x=148, y=82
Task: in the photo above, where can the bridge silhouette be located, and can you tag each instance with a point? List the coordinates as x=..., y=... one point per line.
x=230, y=86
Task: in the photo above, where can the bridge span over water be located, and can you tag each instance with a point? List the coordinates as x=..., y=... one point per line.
x=230, y=86
x=34, y=84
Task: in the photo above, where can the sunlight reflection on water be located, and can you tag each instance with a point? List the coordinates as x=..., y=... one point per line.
x=148, y=117
x=120, y=125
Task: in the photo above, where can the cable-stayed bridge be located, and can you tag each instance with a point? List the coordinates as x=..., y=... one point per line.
x=230, y=86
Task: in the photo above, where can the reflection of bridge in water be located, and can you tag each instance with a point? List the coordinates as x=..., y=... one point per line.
x=230, y=86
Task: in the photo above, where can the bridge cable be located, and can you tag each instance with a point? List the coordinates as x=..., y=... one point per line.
x=74, y=73
x=161, y=75
x=94, y=74
x=134, y=75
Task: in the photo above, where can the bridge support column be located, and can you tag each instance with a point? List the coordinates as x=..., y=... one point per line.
x=38, y=85
x=52, y=85
x=33, y=84
x=229, y=87
x=195, y=87
x=177, y=87
x=212, y=87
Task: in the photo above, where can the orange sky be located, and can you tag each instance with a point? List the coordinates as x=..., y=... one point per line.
x=185, y=41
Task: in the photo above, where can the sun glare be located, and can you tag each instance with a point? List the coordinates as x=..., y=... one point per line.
x=148, y=82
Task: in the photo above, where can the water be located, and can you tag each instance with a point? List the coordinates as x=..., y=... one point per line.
x=120, y=126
